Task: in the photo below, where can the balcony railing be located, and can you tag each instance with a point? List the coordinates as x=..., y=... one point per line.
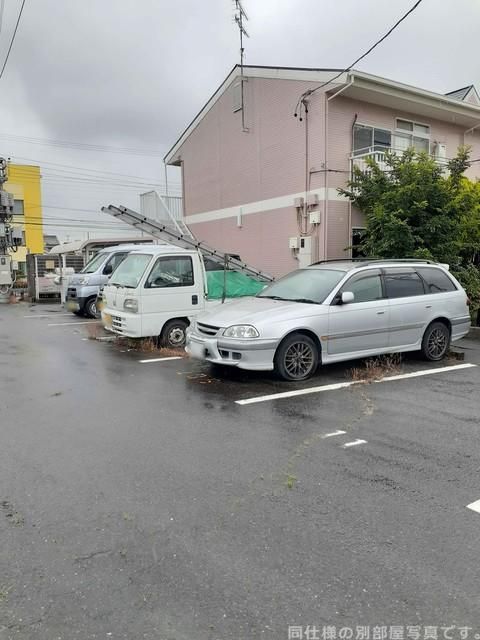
x=359, y=158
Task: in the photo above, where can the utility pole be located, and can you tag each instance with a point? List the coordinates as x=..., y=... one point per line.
x=10, y=238
x=240, y=16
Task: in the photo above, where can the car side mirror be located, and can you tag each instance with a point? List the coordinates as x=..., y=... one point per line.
x=347, y=296
x=108, y=270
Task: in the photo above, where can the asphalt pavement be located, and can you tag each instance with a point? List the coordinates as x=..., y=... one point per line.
x=141, y=500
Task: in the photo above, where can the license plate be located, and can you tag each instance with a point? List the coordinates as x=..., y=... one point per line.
x=107, y=319
x=72, y=306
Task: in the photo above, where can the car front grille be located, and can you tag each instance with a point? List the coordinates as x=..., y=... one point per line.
x=118, y=324
x=207, y=329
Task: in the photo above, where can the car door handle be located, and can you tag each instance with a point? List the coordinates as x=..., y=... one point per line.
x=428, y=306
x=380, y=313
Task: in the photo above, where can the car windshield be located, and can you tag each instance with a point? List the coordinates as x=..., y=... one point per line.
x=94, y=263
x=304, y=285
x=131, y=270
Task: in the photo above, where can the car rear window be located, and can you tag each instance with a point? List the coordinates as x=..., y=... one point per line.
x=402, y=284
x=436, y=280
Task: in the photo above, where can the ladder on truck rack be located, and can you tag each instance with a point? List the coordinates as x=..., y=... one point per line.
x=171, y=236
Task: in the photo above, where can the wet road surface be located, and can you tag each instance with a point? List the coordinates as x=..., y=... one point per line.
x=140, y=501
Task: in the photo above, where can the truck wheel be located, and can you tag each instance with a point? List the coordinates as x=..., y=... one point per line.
x=296, y=358
x=174, y=334
x=90, y=309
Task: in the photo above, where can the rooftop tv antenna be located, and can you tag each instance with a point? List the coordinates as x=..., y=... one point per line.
x=240, y=17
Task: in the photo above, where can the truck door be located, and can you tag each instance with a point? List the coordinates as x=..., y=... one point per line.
x=171, y=291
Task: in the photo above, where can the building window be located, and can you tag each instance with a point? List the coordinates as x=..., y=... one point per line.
x=18, y=209
x=367, y=139
x=357, y=238
x=412, y=134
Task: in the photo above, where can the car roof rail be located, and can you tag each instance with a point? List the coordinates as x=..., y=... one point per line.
x=366, y=261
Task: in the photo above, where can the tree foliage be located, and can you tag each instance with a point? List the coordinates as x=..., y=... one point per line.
x=417, y=208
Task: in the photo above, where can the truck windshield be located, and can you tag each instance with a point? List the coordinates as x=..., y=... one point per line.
x=131, y=270
x=304, y=285
x=93, y=264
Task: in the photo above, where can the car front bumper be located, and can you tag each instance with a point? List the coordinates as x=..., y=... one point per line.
x=255, y=354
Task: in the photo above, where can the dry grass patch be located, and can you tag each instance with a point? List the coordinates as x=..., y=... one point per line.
x=148, y=345
x=94, y=331
x=377, y=368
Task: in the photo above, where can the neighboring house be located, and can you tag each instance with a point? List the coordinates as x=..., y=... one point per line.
x=49, y=242
x=244, y=188
x=24, y=184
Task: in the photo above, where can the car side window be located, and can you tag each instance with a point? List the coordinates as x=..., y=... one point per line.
x=113, y=263
x=436, y=281
x=403, y=283
x=171, y=271
x=366, y=287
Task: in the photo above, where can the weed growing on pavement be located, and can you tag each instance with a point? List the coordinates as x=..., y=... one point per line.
x=290, y=481
x=377, y=368
x=4, y=591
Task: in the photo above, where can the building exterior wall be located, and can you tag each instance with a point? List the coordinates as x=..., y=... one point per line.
x=240, y=187
x=24, y=184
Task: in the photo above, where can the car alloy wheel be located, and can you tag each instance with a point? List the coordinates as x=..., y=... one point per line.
x=436, y=341
x=297, y=357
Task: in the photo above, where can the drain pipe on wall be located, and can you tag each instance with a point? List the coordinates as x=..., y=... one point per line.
x=325, y=182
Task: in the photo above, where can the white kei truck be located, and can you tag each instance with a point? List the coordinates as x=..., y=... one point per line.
x=157, y=289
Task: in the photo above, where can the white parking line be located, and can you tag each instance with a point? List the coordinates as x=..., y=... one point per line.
x=51, y=315
x=334, y=433
x=474, y=506
x=66, y=324
x=343, y=385
x=353, y=443
x=161, y=359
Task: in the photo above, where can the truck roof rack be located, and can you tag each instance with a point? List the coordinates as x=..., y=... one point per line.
x=173, y=237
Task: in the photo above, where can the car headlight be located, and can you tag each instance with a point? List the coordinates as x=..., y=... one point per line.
x=131, y=304
x=84, y=280
x=193, y=325
x=241, y=331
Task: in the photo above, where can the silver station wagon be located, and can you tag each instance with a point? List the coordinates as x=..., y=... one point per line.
x=334, y=311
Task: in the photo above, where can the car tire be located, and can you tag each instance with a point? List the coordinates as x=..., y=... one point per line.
x=297, y=357
x=90, y=309
x=436, y=341
x=174, y=334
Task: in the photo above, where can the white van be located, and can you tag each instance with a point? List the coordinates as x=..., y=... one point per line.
x=83, y=287
x=156, y=290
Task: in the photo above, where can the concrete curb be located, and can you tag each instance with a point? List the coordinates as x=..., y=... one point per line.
x=474, y=333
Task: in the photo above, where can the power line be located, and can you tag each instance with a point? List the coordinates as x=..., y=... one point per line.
x=309, y=92
x=84, y=169
x=13, y=38
x=80, y=146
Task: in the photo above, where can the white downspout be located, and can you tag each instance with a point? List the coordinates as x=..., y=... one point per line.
x=325, y=182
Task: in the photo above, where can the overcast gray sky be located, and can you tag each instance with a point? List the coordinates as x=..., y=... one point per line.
x=133, y=73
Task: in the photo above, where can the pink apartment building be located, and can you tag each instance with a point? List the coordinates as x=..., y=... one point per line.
x=261, y=183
